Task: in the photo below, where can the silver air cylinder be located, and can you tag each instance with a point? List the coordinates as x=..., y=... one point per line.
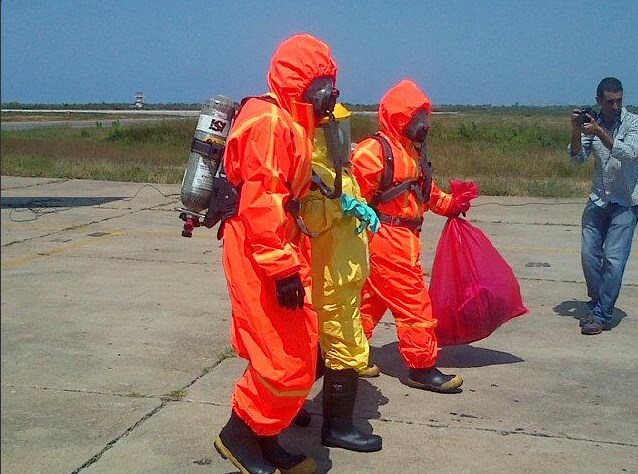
x=207, y=152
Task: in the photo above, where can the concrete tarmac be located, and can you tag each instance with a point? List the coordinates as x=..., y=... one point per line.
x=116, y=355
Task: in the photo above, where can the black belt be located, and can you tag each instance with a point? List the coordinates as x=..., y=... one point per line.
x=412, y=224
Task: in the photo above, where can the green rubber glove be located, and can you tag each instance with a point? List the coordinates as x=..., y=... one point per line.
x=368, y=217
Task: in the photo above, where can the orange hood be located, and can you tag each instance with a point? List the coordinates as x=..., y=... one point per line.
x=398, y=106
x=294, y=65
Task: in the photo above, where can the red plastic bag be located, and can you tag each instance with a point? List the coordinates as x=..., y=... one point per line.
x=473, y=289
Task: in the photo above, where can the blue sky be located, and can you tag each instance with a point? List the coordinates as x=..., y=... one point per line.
x=459, y=51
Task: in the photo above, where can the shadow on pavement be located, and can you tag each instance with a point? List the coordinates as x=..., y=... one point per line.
x=578, y=310
x=464, y=356
x=44, y=201
x=390, y=362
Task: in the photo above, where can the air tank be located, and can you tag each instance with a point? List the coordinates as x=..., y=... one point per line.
x=207, y=152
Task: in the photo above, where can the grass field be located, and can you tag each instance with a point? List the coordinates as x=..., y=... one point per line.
x=508, y=152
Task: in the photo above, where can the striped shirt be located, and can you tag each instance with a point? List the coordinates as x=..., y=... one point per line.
x=616, y=171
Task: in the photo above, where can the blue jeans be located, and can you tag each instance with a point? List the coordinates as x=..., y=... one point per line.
x=607, y=234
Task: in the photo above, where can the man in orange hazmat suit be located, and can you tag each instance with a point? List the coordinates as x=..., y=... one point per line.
x=266, y=255
x=335, y=212
x=396, y=280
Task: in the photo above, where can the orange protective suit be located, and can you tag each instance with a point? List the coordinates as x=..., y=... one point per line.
x=269, y=158
x=396, y=280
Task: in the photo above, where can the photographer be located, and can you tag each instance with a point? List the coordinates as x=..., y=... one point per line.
x=611, y=213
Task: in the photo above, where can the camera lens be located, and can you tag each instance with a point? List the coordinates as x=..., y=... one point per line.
x=584, y=116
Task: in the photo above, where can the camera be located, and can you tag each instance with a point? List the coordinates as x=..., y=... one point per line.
x=583, y=118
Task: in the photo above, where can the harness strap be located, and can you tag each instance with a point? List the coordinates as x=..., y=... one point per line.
x=426, y=172
x=386, y=192
x=317, y=184
x=398, y=190
x=293, y=206
x=388, y=169
x=412, y=224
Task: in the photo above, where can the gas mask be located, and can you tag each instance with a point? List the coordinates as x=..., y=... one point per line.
x=417, y=130
x=337, y=135
x=418, y=127
x=322, y=95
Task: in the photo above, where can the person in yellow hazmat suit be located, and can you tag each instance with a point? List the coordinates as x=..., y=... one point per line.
x=337, y=217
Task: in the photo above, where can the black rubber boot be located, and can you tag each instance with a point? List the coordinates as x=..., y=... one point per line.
x=241, y=446
x=287, y=463
x=303, y=418
x=338, y=431
x=434, y=380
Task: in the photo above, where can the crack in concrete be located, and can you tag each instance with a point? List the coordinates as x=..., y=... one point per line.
x=165, y=401
x=96, y=457
x=138, y=259
x=556, y=224
x=579, y=282
x=81, y=390
x=79, y=226
x=54, y=181
x=517, y=431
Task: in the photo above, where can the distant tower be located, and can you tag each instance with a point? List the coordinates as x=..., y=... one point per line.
x=139, y=100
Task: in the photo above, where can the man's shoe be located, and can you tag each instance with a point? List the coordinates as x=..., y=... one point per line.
x=434, y=380
x=370, y=371
x=591, y=326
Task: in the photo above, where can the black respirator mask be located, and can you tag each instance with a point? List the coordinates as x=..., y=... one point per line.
x=418, y=127
x=322, y=95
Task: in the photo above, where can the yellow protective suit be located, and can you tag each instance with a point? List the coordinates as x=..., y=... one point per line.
x=340, y=265
x=268, y=158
